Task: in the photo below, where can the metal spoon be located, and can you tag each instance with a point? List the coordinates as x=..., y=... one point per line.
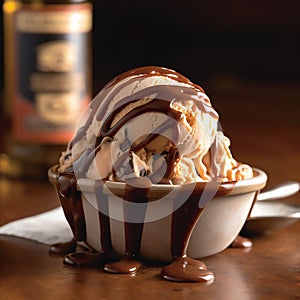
x=269, y=215
x=286, y=189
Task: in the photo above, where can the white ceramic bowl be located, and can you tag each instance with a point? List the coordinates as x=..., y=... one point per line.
x=218, y=225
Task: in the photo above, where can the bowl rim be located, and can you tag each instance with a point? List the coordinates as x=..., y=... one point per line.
x=253, y=184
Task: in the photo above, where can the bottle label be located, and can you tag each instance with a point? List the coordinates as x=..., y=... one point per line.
x=52, y=66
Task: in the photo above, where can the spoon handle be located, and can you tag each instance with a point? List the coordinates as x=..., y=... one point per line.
x=286, y=189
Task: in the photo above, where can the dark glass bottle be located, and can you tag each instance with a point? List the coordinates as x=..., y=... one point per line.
x=47, y=84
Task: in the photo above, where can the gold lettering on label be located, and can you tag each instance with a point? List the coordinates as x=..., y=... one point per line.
x=54, y=22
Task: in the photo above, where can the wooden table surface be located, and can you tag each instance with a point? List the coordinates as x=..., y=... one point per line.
x=264, y=129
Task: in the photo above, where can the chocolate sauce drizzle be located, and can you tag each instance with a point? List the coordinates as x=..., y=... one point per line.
x=102, y=101
x=184, y=218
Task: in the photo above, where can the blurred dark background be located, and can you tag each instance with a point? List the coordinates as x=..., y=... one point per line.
x=205, y=40
x=225, y=46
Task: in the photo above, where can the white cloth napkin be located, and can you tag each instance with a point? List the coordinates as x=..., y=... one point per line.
x=48, y=228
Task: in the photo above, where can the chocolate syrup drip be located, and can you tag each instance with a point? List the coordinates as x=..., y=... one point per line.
x=107, y=253
x=136, y=191
x=71, y=203
x=184, y=220
x=103, y=212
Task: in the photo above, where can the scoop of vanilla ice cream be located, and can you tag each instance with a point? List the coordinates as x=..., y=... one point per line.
x=152, y=123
